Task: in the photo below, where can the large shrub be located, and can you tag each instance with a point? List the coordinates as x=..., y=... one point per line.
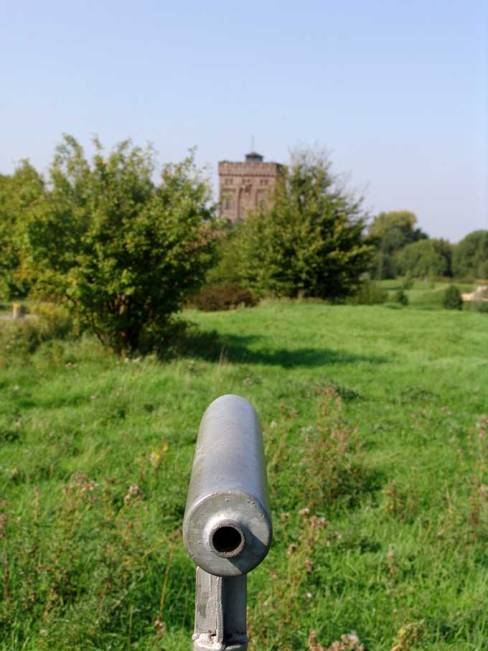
x=122, y=250
x=452, y=299
x=310, y=242
x=401, y=297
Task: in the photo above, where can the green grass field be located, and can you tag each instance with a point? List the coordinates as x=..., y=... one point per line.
x=376, y=431
x=425, y=295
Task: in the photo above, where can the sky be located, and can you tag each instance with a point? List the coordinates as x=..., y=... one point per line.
x=396, y=91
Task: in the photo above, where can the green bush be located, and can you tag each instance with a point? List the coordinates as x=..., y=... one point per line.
x=369, y=293
x=408, y=282
x=21, y=337
x=55, y=320
x=222, y=297
x=452, y=299
x=401, y=297
x=126, y=251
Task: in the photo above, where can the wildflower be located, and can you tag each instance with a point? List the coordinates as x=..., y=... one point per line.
x=134, y=491
x=160, y=626
x=156, y=456
x=483, y=426
x=318, y=522
x=348, y=642
x=408, y=635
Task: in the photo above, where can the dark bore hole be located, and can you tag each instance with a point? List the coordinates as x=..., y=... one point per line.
x=226, y=540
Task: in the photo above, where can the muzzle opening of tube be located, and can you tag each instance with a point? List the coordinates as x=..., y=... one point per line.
x=227, y=539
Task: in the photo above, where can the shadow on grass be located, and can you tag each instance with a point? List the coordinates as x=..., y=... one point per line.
x=213, y=347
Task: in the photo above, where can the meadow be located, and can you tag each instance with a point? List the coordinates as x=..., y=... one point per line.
x=375, y=420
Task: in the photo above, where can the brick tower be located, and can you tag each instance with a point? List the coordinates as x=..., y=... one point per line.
x=246, y=186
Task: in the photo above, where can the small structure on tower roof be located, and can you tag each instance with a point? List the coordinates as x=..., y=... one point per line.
x=246, y=186
x=254, y=157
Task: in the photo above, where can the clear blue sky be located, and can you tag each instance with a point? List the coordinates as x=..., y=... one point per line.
x=396, y=90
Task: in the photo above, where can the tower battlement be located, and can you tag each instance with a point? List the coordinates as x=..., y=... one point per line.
x=246, y=186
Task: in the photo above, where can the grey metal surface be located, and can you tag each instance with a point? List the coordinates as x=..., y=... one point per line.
x=220, y=613
x=228, y=489
x=227, y=523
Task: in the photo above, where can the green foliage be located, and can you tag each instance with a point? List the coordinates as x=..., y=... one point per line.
x=333, y=468
x=408, y=282
x=389, y=232
x=124, y=251
x=477, y=306
x=425, y=259
x=21, y=337
x=452, y=299
x=19, y=195
x=401, y=297
x=470, y=258
x=310, y=242
x=212, y=298
x=226, y=270
x=369, y=293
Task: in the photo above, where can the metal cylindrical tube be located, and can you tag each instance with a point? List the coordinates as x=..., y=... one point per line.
x=227, y=523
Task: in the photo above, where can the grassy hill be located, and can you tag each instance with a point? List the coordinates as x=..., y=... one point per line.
x=376, y=434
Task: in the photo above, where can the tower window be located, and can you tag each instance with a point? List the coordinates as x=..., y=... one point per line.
x=227, y=201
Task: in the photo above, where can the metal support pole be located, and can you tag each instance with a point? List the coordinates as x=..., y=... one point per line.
x=227, y=523
x=220, y=612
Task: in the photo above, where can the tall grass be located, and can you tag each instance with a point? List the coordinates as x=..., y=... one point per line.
x=376, y=440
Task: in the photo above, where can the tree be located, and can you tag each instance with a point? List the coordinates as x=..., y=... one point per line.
x=470, y=258
x=19, y=193
x=226, y=272
x=310, y=241
x=123, y=251
x=389, y=232
x=425, y=258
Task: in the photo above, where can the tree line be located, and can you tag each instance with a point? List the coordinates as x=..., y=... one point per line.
x=124, y=242
x=403, y=249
